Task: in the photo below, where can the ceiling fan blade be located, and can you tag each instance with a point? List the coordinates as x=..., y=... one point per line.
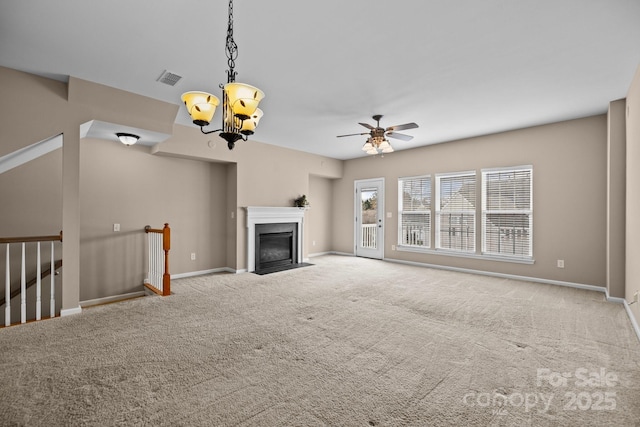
x=367, y=125
x=401, y=136
x=402, y=127
x=352, y=134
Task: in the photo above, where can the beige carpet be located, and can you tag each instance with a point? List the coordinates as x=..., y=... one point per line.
x=345, y=342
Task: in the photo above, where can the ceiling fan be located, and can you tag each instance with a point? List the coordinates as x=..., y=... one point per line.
x=377, y=142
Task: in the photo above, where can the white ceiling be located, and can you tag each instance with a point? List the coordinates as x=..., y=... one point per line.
x=458, y=68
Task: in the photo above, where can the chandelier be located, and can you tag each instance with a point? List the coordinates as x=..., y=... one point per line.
x=377, y=144
x=240, y=112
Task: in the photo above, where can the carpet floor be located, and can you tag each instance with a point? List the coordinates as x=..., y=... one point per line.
x=345, y=342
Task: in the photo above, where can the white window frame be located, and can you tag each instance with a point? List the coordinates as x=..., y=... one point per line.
x=426, y=236
x=528, y=255
x=463, y=212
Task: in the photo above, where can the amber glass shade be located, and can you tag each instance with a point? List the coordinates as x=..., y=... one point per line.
x=243, y=99
x=201, y=106
x=250, y=124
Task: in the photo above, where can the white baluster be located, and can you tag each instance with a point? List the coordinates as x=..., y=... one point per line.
x=159, y=261
x=161, y=258
x=23, y=288
x=152, y=251
x=52, y=304
x=155, y=260
x=7, y=289
x=152, y=254
x=38, y=285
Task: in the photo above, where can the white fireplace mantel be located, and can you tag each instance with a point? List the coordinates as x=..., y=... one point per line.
x=271, y=215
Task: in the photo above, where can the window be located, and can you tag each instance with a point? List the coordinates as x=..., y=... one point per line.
x=507, y=212
x=414, y=211
x=456, y=211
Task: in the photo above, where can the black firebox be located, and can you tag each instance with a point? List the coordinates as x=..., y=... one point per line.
x=276, y=246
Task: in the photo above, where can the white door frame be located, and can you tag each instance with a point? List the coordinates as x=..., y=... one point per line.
x=378, y=183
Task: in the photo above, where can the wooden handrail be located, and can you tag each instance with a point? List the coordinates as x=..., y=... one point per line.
x=55, y=238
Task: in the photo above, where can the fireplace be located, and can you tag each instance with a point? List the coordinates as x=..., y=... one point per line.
x=274, y=238
x=276, y=245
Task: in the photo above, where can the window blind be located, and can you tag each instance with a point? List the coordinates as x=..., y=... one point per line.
x=456, y=211
x=414, y=225
x=507, y=212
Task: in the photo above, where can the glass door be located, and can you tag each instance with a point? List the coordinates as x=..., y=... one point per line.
x=369, y=203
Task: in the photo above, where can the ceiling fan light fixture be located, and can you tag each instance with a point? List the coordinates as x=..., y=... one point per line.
x=377, y=142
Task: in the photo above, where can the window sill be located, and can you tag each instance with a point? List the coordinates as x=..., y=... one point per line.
x=444, y=252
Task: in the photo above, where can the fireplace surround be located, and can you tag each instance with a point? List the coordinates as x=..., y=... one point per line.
x=284, y=229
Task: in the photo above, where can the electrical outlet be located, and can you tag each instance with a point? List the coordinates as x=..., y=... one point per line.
x=313, y=243
x=560, y=263
x=233, y=215
x=193, y=256
x=116, y=227
x=393, y=247
x=636, y=297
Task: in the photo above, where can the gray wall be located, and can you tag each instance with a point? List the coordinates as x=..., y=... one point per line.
x=319, y=215
x=569, y=218
x=129, y=186
x=633, y=194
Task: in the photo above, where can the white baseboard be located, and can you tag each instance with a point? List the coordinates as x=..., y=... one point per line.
x=319, y=254
x=341, y=253
x=70, y=311
x=634, y=324
x=503, y=275
x=113, y=298
x=202, y=272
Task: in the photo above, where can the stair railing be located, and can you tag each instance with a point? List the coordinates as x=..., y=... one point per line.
x=24, y=284
x=159, y=243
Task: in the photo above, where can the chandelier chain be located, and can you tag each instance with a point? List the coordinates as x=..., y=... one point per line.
x=231, y=47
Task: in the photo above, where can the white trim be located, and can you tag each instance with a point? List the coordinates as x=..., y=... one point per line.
x=70, y=311
x=320, y=254
x=503, y=275
x=202, y=272
x=29, y=153
x=615, y=300
x=242, y=270
x=113, y=298
x=634, y=324
x=341, y=253
x=269, y=215
x=632, y=319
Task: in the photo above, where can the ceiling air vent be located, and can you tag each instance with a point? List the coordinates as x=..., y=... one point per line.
x=169, y=78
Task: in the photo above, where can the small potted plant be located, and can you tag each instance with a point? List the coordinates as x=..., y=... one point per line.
x=301, y=202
